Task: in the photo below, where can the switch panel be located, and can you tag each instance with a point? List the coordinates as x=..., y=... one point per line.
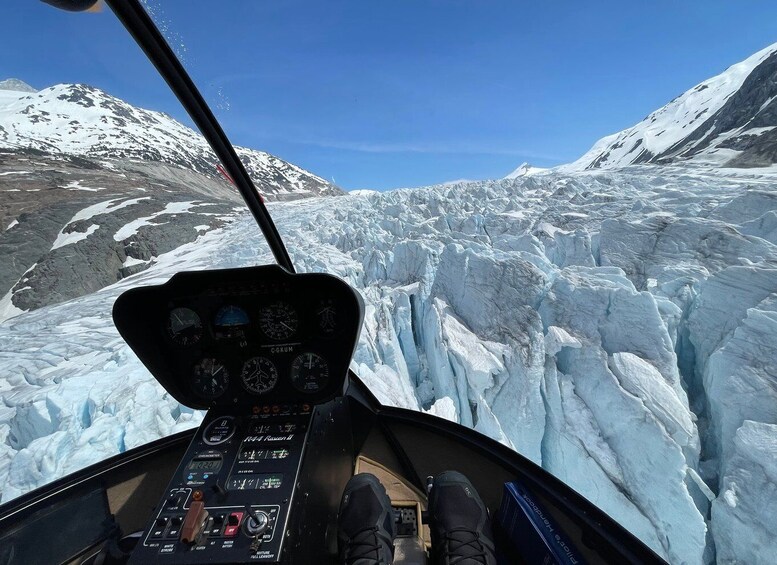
x=229, y=500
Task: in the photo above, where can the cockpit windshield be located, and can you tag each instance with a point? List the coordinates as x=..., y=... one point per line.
x=606, y=308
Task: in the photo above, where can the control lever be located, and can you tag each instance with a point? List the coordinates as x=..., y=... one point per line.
x=257, y=522
x=194, y=522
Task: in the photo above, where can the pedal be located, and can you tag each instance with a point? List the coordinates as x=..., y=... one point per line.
x=406, y=520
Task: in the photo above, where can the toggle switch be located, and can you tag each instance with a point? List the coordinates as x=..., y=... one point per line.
x=233, y=524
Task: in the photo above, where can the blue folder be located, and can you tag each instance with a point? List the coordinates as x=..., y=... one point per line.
x=526, y=532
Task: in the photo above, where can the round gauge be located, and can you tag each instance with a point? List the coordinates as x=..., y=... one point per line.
x=210, y=378
x=230, y=321
x=184, y=326
x=278, y=321
x=309, y=372
x=259, y=375
x=326, y=314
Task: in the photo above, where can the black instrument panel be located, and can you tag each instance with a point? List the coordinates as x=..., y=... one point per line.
x=239, y=336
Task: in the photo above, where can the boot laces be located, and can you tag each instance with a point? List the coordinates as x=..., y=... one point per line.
x=462, y=544
x=364, y=544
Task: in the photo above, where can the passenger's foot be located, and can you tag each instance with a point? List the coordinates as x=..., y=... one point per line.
x=459, y=523
x=365, y=525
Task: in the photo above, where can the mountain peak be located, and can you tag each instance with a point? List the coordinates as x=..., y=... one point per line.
x=727, y=120
x=16, y=85
x=83, y=120
x=524, y=169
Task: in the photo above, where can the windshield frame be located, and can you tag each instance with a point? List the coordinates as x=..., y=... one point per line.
x=144, y=31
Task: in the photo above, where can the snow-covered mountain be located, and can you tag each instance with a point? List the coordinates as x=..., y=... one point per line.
x=14, y=84
x=78, y=119
x=525, y=169
x=93, y=189
x=616, y=327
x=728, y=120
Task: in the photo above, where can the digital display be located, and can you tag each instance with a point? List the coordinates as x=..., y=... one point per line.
x=264, y=481
x=269, y=481
x=250, y=454
x=204, y=465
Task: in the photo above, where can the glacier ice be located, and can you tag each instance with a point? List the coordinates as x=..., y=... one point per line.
x=743, y=514
x=615, y=327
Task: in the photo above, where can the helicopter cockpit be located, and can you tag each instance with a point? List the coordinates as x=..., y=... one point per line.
x=266, y=354
x=264, y=350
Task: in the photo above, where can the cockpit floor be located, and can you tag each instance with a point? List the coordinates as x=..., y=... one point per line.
x=410, y=550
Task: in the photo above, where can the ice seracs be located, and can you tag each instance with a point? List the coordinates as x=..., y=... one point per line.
x=615, y=327
x=743, y=514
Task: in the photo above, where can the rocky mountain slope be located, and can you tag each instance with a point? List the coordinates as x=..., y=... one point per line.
x=93, y=190
x=728, y=120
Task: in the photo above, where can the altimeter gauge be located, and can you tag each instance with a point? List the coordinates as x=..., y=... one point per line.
x=259, y=375
x=210, y=378
x=309, y=373
x=278, y=321
x=184, y=326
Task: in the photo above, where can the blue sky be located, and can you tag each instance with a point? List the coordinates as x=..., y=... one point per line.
x=378, y=94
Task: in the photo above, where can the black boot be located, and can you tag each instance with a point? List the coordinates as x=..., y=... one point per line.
x=365, y=525
x=459, y=523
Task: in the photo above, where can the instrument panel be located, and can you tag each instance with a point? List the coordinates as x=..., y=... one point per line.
x=239, y=336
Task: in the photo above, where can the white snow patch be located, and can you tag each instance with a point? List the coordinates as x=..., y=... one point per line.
x=73, y=237
x=132, y=228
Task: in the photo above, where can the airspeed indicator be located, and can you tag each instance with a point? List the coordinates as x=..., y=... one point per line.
x=184, y=326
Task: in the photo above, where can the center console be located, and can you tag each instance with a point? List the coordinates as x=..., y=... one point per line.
x=266, y=352
x=230, y=497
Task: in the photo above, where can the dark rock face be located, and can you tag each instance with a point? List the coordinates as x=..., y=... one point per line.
x=44, y=195
x=754, y=105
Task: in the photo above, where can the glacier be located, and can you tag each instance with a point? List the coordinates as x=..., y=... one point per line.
x=616, y=327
